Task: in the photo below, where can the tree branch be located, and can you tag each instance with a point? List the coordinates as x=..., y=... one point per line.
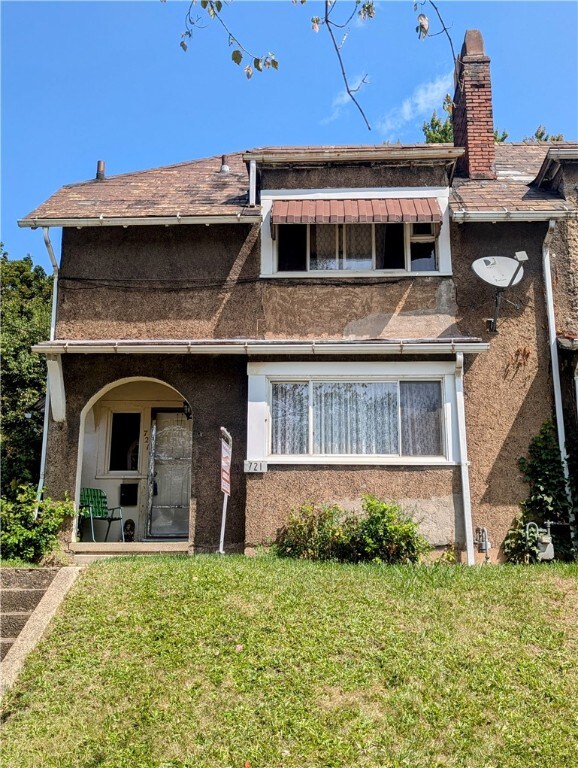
x=350, y=91
x=444, y=30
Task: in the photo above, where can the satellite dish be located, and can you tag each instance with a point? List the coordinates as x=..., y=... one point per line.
x=500, y=272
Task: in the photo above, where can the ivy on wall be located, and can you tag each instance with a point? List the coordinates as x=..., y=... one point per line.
x=548, y=499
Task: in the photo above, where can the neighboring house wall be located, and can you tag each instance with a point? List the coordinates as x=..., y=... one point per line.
x=564, y=258
x=508, y=389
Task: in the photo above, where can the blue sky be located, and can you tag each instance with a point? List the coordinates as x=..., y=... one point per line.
x=83, y=81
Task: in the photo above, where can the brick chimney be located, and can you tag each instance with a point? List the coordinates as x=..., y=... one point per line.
x=472, y=114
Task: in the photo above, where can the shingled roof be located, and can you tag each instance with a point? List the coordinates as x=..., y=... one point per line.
x=195, y=188
x=198, y=188
x=513, y=190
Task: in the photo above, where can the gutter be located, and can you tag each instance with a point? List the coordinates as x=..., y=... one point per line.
x=553, y=344
x=133, y=221
x=503, y=215
x=51, y=256
x=262, y=347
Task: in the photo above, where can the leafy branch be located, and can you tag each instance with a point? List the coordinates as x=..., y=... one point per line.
x=363, y=9
x=213, y=9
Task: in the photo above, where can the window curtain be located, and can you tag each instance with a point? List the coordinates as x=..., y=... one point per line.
x=355, y=418
x=290, y=405
x=421, y=403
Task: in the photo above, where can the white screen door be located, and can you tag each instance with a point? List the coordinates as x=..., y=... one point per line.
x=169, y=483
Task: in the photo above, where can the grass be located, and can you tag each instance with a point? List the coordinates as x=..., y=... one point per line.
x=210, y=662
x=16, y=562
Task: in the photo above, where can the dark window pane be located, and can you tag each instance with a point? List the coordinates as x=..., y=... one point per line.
x=422, y=229
x=292, y=247
x=421, y=425
x=423, y=257
x=389, y=246
x=124, y=443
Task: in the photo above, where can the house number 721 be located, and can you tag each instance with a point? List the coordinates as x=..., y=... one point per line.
x=255, y=466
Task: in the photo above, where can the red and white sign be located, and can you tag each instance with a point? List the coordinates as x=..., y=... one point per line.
x=225, y=467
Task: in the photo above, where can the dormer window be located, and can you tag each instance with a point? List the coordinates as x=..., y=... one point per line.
x=356, y=247
x=308, y=236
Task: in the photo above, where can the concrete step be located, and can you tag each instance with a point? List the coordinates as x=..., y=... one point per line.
x=16, y=599
x=12, y=622
x=5, y=644
x=132, y=548
x=86, y=552
x=87, y=559
x=26, y=578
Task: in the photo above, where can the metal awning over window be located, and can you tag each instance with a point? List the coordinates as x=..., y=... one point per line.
x=378, y=211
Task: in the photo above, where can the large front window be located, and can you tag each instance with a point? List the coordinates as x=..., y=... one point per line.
x=377, y=418
x=351, y=413
x=356, y=247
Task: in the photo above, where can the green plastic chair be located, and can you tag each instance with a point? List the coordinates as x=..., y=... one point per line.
x=94, y=505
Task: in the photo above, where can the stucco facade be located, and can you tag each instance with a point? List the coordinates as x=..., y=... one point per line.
x=192, y=313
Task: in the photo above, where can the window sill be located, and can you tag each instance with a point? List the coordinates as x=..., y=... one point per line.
x=350, y=274
x=383, y=461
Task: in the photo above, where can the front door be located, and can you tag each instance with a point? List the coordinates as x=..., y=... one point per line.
x=169, y=477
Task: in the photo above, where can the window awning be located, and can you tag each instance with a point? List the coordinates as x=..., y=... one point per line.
x=378, y=211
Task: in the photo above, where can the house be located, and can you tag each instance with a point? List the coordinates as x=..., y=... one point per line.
x=320, y=304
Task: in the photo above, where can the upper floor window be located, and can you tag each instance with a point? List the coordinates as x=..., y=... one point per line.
x=309, y=233
x=357, y=247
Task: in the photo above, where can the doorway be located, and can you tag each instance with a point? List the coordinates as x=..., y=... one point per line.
x=136, y=445
x=169, y=475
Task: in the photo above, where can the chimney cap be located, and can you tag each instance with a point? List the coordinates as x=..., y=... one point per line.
x=473, y=43
x=224, y=167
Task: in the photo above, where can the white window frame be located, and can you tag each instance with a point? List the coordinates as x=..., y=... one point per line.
x=442, y=240
x=259, y=421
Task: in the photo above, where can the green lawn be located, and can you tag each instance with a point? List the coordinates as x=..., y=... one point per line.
x=210, y=662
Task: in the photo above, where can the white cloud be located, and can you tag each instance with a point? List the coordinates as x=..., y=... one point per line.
x=342, y=100
x=425, y=98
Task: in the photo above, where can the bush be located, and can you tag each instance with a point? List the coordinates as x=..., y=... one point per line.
x=25, y=536
x=383, y=533
x=548, y=500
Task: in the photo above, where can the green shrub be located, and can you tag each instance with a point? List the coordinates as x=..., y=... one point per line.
x=547, y=500
x=24, y=536
x=383, y=533
x=519, y=547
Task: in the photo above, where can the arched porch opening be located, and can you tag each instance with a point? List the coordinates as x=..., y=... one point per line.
x=135, y=444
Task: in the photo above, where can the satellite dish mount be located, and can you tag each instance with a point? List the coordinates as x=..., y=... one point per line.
x=502, y=273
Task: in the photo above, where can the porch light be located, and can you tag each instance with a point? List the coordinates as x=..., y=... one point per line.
x=187, y=410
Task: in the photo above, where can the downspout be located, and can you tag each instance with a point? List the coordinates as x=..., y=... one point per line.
x=47, y=242
x=464, y=463
x=552, y=341
x=252, y=183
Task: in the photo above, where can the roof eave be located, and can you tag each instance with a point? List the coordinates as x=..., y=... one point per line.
x=130, y=221
x=555, y=155
x=466, y=345
x=495, y=216
x=427, y=153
